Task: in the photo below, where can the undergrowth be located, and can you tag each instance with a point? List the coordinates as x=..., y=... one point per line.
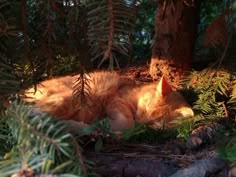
x=38, y=144
x=209, y=92
x=212, y=91
x=144, y=133
x=213, y=98
x=98, y=132
x=227, y=144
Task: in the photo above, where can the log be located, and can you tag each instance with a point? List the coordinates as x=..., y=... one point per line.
x=113, y=166
x=202, y=168
x=129, y=165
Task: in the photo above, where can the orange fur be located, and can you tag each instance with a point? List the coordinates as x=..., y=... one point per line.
x=120, y=99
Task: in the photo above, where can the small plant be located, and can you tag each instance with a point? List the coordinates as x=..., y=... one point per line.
x=184, y=127
x=98, y=131
x=227, y=145
x=145, y=133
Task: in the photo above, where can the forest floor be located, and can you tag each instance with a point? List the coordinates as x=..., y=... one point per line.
x=156, y=159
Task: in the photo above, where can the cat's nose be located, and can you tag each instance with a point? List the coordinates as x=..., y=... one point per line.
x=186, y=112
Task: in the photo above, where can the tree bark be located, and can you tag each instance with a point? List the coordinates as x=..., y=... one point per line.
x=175, y=34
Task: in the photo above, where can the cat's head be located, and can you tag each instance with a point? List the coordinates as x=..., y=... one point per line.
x=167, y=106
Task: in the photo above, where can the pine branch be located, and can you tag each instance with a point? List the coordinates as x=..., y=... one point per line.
x=41, y=144
x=210, y=86
x=81, y=91
x=9, y=83
x=110, y=24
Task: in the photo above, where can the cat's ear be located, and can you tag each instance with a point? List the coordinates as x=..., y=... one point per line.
x=163, y=87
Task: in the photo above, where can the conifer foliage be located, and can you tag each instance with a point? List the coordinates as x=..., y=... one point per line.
x=212, y=92
x=37, y=144
x=114, y=26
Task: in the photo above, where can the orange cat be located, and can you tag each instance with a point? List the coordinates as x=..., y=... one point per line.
x=120, y=99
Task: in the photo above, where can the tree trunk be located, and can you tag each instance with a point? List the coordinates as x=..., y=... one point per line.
x=175, y=33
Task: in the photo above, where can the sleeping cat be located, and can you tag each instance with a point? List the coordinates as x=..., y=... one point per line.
x=122, y=100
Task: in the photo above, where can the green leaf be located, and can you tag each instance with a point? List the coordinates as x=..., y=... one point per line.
x=98, y=145
x=88, y=129
x=234, y=5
